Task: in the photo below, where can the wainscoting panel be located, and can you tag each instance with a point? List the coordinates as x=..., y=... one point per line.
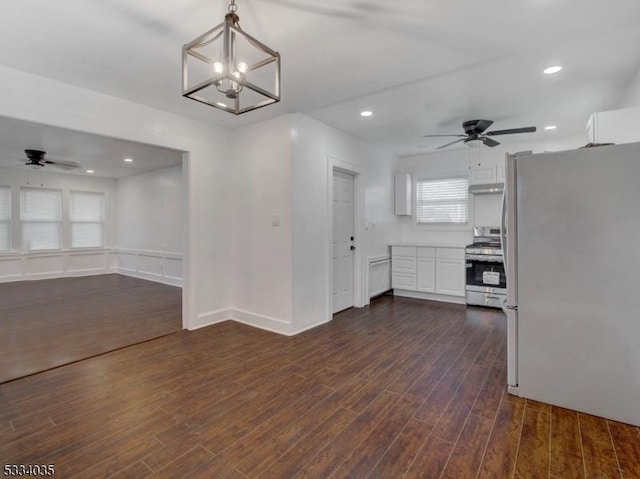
x=10, y=269
x=54, y=264
x=163, y=267
x=87, y=262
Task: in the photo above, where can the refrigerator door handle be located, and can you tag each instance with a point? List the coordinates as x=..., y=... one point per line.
x=503, y=229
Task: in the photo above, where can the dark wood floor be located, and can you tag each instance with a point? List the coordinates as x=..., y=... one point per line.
x=47, y=323
x=403, y=389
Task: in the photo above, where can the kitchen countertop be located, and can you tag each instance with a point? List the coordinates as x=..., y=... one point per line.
x=429, y=245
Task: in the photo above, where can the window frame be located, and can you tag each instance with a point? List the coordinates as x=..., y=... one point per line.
x=8, y=221
x=102, y=222
x=440, y=224
x=59, y=222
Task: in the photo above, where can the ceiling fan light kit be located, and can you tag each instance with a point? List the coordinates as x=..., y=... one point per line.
x=474, y=134
x=36, y=160
x=228, y=69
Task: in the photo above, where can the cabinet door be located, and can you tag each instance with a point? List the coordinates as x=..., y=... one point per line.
x=500, y=170
x=403, y=281
x=450, y=276
x=403, y=264
x=482, y=175
x=426, y=275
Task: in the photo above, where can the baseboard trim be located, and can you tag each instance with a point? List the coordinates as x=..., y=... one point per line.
x=307, y=328
x=430, y=296
x=267, y=323
x=210, y=318
x=168, y=280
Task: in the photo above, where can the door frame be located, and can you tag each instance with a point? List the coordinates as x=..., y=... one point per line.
x=359, y=280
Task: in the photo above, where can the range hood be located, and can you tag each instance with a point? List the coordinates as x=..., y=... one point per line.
x=489, y=189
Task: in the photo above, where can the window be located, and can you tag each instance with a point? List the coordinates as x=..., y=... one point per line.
x=86, y=215
x=41, y=215
x=442, y=201
x=5, y=218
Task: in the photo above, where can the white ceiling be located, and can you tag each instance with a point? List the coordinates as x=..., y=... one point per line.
x=422, y=66
x=105, y=156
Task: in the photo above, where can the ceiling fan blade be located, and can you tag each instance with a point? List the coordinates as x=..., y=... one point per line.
x=489, y=141
x=437, y=136
x=528, y=129
x=452, y=143
x=483, y=125
x=65, y=165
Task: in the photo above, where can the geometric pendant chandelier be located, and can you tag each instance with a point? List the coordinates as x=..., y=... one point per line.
x=229, y=69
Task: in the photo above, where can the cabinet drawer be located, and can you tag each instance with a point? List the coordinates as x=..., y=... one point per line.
x=426, y=252
x=403, y=281
x=403, y=250
x=452, y=253
x=403, y=264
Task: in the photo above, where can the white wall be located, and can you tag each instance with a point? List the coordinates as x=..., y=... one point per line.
x=632, y=97
x=150, y=220
x=312, y=143
x=261, y=252
x=208, y=291
x=18, y=178
x=150, y=211
x=20, y=264
x=280, y=168
x=457, y=162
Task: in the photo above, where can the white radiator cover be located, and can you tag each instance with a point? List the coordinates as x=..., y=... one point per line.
x=379, y=276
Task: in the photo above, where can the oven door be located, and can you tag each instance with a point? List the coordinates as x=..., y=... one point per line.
x=485, y=271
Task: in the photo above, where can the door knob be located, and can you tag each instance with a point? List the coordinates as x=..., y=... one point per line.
x=352, y=247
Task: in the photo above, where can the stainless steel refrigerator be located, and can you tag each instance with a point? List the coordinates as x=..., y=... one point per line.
x=571, y=240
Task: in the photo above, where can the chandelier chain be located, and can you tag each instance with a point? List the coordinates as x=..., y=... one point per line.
x=233, y=7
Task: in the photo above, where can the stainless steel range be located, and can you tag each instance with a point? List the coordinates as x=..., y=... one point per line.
x=486, y=280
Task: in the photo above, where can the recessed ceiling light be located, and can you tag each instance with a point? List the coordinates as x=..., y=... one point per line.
x=553, y=69
x=128, y=160
x=366, y=113
x=90, y=171
x=550, y=127
x=220, y=104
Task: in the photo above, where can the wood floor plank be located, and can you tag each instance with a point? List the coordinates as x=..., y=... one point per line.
x=365, y=395
x=398, y=458
x=566, y=445
x=626, y=442
x=364, y=458
x=430, y=460
x=454, y=416
x=51, y=322
x=467, y=454
x=332, y=456
x=184, y=464
x=533, y=453
x=501, y=453
x=599, y=453
x=134, y=471
x=292, y=461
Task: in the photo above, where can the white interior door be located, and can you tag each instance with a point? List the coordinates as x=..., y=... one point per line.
x=343, y=240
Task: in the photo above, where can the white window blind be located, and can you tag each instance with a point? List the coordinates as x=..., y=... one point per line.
x=86, y=216
x=41, y=216
x=5, y=218
x=442, y=201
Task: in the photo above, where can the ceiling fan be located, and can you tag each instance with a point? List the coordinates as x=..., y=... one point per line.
x=36, y=159
x=475, y=132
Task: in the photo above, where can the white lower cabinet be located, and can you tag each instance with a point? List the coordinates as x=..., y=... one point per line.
x=426, y=269
x=450, y=273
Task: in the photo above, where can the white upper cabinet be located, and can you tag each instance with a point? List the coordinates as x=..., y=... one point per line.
x=403, y=194
x=486, y=174
x=615, y=126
